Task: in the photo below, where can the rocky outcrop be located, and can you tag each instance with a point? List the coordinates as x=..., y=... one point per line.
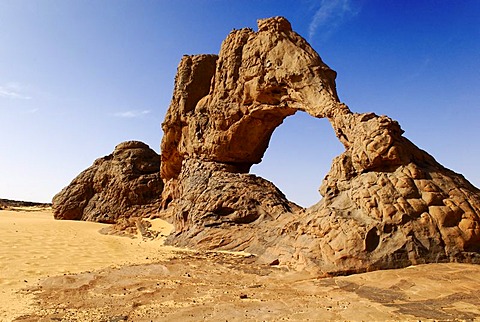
x=123, y=184
x=12, y=204
x=386, y=203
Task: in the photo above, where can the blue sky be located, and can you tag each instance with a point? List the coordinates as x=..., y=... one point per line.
x=78, y=77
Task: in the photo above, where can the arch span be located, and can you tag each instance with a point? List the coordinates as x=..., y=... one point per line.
x=257, y=80
x=385, y=203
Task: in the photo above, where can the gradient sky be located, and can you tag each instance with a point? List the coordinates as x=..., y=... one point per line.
x=77, y=77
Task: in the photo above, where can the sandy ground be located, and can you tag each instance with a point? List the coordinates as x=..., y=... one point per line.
x=34, y=246
x=67, y=271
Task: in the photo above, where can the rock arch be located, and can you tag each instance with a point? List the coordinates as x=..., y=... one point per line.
x=386, y=203
x=241, y=96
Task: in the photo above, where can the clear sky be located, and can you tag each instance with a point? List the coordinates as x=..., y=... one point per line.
x=78, y=77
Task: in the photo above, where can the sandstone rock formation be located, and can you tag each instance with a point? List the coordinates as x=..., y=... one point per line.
x=386, y=203
x=123, y=184
x=13, y=204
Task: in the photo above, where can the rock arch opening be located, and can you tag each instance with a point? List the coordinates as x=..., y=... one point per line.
x=299, y=156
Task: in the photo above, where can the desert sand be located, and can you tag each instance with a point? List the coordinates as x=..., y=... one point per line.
x=68, y=271
x=35, y=246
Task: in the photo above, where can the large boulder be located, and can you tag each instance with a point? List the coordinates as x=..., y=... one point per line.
x=385, y=204
x=120, y=185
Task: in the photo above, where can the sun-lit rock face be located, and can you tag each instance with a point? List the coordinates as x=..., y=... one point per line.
x=120, y=185
x=225, y=108
x=386, y=203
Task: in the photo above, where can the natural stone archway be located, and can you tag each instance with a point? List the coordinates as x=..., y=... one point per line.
x=386, y=203
x=257, y=81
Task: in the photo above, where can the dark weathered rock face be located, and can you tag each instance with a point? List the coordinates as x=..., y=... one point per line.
x=123, y=184
x=386, y=203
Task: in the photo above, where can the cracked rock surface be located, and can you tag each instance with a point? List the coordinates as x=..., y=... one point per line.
x=386, y=203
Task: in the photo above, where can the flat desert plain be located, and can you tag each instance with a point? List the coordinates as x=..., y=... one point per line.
x=67, y=271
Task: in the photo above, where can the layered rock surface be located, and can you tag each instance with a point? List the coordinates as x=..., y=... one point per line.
x=386, y=203
x=123, y=184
